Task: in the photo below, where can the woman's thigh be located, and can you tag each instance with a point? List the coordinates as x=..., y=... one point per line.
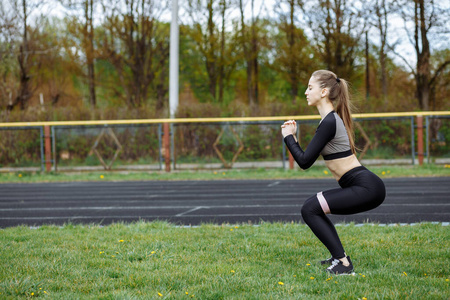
x=351, y=200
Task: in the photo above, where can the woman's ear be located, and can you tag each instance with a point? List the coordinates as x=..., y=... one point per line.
x=324, y=92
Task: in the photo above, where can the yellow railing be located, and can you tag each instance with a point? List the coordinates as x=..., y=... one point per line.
x=217, y=120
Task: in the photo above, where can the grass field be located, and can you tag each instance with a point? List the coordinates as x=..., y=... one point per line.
x=232, y=261
x=271, y=261
x=314, y=172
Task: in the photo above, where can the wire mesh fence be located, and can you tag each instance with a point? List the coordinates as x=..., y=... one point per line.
x=197, y=145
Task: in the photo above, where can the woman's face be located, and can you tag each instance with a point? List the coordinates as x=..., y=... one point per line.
x=314, y=93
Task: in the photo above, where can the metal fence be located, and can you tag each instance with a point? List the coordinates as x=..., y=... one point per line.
x=212, y=143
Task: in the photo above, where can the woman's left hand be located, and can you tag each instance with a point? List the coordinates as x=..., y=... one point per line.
x=289, y=127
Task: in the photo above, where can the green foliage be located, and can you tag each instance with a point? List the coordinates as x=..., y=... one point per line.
x=394, y=136
x=20, y=147
x=131, y=58
x=261, y=142
x=440, y=138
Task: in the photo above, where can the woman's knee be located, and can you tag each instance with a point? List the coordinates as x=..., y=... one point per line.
x=311, y=207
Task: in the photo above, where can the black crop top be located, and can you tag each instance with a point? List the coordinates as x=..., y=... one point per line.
x=330, y=140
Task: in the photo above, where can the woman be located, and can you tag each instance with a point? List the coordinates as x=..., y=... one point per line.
x=361, y=190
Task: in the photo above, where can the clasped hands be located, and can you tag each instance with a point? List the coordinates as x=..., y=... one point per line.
x=289, y=127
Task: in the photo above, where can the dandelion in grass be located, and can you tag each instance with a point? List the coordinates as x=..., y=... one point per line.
x=121, y=241
x=20, y=175
x=232, y=271
x=101, y=176
x=447, y=280
x=404, y=274
x=312, y=278
x=364, y=298
x=308, y=265
x=383, y=173
x=159, y=294
x=280, y=283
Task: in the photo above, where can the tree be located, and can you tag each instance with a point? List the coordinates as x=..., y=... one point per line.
x=21, y=11
x=250, y=41
x=53, y=75
x=7, y=41
x=423, y=19
x=440, y=83
x=338, y=27
x=31, y=61
x=82, y=28
x=227, y=57
x=212, y=40
x=137, y=44
x=206, y=38
x=378, y=18
x=382, y=25
x=291, y=48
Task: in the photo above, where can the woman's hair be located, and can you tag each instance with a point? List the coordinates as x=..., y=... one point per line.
x=340, y=97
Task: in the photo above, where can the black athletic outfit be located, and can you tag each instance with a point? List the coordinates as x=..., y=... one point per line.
x=361, y=190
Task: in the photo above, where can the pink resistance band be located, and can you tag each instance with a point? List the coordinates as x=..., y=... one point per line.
x=323, y=203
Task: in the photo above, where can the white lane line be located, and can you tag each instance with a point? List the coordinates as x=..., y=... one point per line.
x=141, y=216
x=273, y=184
x=206, y=196
x=143, y=207
x=191, y=207
x=301, y=224
x=78, y=197
x=183, y=216
x=191, y=210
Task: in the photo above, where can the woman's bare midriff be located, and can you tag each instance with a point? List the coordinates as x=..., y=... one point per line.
x=340, y=166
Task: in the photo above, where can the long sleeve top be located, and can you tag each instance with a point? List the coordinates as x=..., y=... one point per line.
x=330, y=140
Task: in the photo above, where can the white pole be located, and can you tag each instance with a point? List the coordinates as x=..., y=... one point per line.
x=41, y=99
x=174, y=60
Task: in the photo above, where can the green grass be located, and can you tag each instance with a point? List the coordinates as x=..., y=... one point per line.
x=237, y=174
x=270, y=261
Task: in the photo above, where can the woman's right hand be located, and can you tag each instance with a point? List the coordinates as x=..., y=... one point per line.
x=289, y=127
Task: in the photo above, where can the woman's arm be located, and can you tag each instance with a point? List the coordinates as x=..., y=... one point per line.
x=305, y=159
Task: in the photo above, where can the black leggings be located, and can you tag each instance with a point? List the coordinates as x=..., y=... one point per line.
x=361, y=191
